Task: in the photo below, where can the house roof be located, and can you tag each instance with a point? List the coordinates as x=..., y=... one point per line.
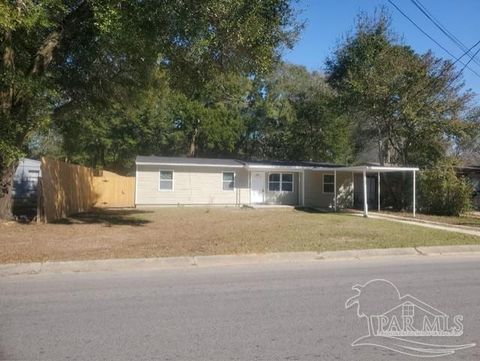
x=206, y=162
x=279, y=163
x=262, y=164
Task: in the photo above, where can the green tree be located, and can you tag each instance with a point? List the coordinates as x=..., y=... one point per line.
x=442, y=192
x=410, y=105
x=294, y=117
x=62, y=57
x=467, y=147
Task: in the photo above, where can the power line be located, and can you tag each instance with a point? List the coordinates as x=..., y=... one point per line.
x=455, y=78
x=428, y=35
x=466, y=52
x=441, y=27
x=468, y=62
x=447, y=68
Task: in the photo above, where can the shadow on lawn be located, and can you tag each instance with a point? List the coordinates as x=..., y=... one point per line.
x=108, y=217
x=321, y=210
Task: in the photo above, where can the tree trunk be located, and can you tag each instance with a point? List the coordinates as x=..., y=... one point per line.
x=193, y=144
x=381, y=159
x=6, y=183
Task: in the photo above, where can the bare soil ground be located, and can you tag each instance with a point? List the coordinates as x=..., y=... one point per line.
x=132, y=233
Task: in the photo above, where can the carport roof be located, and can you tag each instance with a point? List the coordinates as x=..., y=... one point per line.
x=377, y=168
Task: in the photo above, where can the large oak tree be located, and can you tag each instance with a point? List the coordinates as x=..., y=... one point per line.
x=59, y=57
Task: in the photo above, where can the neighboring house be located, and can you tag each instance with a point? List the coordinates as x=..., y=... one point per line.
x=472, y=173
x=25, y=183
x=203, y=181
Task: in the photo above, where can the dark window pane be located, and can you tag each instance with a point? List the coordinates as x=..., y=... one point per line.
x=166, y=175
x=228, y=177
x=274, y=186
x=328, y=188
x=328, y=178
x=287, y=187
x=274, y=177
x=228, y=185
x=287, y=177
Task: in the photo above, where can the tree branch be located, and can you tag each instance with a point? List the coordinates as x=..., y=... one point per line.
x=44, y=55
x=8, y=59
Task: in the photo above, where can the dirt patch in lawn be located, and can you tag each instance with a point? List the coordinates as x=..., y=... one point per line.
x=193, y=231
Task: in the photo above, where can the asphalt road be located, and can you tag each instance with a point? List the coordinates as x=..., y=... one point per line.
x=261, y=312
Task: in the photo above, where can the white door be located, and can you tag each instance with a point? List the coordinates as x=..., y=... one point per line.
x=257, y=187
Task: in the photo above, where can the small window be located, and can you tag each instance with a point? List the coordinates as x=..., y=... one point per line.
x=287, y=182
x=228, y=181
x=166, y=180
x=274, y=182
x=280, y=182
x=328, y=183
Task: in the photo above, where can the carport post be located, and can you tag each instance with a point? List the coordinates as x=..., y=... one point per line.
x=365, y=199
x=303, y=188
x=414, y=192
x=378, y=191
x=335, y=189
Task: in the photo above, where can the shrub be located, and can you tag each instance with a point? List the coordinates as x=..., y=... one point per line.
x=442, y=192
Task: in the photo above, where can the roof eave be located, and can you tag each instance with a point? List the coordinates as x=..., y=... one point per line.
x=191, y=164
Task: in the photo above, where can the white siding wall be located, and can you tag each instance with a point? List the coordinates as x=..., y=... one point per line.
x=286, y=198
x=191, y=185
x=203, y=185
x=314, y=196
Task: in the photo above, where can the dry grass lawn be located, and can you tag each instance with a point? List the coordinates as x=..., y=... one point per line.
x=195, y=231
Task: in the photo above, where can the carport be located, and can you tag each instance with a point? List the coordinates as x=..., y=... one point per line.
x=377, y=170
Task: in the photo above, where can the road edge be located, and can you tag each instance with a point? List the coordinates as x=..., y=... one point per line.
x=226, y=260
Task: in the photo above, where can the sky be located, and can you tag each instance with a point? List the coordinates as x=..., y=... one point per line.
x=327, y=20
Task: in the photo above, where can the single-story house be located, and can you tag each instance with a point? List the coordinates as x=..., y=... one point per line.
x=205, y=181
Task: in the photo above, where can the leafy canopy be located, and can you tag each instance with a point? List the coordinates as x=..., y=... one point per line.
x=397, y=97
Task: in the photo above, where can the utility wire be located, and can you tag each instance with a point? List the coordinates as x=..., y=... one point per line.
x=465, y=65
x=441, y=27
x=447, y=68
x=454, y=78
x=430, y=37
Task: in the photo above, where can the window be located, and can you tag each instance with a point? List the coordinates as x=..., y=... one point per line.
x=274, y=182
x=166, y=180
x=280, y=182
x=328, y=183
x=287, y=182
x=228, y=181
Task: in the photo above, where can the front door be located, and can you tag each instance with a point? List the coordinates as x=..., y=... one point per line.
x=371, y=191
x=257, y=187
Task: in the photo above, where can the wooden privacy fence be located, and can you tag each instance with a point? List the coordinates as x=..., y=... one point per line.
x=114, y=190
x=66, y=189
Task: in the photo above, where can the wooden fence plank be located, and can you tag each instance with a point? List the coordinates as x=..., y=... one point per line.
x=67, y=189
x=114, y=190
